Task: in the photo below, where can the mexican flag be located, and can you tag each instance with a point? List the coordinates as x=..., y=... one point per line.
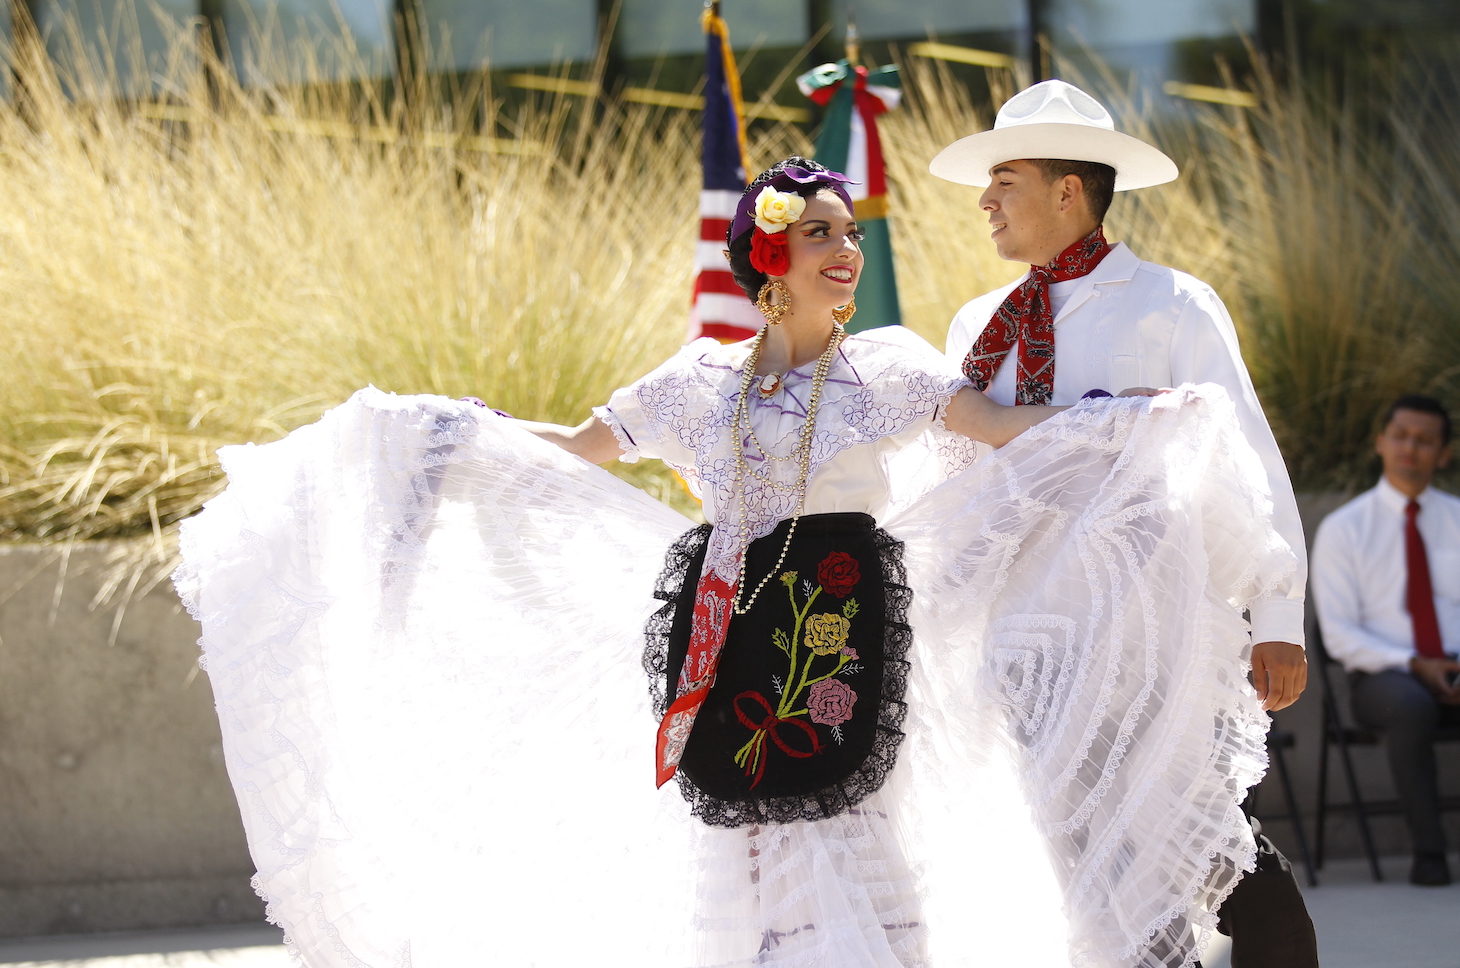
x=853, y=98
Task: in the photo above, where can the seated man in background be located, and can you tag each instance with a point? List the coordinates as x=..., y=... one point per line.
x=1386, y=581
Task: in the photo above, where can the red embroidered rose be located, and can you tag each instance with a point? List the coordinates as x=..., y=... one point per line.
x=838, y=573
x=831, y=702
x=768, y=253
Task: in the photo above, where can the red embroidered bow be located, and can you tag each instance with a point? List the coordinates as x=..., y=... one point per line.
x=1026, y=318
x=769, y=726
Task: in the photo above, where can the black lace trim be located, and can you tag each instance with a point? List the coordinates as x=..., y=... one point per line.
x=677, y=562
x=891, y=711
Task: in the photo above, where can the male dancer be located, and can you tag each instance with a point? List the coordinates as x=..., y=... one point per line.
x=1089, y=316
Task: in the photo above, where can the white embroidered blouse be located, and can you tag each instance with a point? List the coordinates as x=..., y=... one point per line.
x=885, y=391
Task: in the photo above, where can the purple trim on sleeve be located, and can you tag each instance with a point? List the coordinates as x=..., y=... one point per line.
x=625, y=440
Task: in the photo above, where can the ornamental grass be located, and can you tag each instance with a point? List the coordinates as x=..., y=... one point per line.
x=221, y=264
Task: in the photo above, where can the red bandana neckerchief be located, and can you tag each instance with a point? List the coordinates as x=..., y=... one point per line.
x=1026, y=318
x=714, y=600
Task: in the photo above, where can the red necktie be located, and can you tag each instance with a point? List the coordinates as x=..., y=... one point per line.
x=1419, y=597
x=1027, y=318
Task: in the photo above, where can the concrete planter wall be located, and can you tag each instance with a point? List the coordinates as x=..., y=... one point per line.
x=116, y=812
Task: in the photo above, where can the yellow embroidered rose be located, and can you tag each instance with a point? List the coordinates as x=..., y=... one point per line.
x=775, y=210
x=827, y=633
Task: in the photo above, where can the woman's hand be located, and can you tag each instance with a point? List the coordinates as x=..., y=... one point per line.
x=1142, y=391
x=974, y=415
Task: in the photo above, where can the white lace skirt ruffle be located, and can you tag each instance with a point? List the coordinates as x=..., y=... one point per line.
x=423, y=630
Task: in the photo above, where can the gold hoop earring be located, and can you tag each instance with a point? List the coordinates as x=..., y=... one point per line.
x=773, y=311
x=843, y=314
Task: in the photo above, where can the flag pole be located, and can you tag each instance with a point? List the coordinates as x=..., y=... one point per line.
x=721, y=309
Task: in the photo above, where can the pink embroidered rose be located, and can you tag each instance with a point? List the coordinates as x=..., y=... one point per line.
x=831, y=702
x=838, y=573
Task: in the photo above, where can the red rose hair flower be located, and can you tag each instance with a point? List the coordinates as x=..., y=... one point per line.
x=768, y=253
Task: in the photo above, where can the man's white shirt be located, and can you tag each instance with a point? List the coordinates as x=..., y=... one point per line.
x=1131, y=323
x=1360, y=576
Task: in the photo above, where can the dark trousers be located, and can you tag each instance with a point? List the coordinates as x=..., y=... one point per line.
x=1396, y=705
x=1265, y=915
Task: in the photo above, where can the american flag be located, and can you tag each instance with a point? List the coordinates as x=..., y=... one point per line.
x=721, y=309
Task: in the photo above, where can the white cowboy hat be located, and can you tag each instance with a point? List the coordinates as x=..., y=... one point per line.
x=1053, y=119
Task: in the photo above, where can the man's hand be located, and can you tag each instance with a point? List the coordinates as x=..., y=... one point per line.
x=1280, y=673
x=1435, y=674
x=1143, y=392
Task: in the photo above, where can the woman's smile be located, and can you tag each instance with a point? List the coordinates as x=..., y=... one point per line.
x=841, y=274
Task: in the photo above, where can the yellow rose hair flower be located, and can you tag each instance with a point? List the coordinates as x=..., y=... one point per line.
x=775, y=210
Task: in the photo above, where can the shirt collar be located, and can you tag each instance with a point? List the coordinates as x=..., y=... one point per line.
x=1119, y=265
x=1396, y=500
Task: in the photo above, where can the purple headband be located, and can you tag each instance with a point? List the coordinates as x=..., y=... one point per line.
x=788, y=180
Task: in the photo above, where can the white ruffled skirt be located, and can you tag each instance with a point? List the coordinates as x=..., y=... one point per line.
x=423, y=628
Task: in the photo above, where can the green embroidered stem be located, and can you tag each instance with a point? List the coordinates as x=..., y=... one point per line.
x=795, y=635
x=749, y=756
x=839, y=666
x=754, y=746
x=789, y=694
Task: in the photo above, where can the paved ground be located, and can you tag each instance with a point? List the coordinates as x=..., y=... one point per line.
x=240, y=946
x=1390, y=925
x=1360, y=925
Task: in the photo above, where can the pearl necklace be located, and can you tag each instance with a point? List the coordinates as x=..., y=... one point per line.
x=802, y=450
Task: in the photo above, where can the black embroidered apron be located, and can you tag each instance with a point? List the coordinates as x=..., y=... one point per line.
x=803, y=720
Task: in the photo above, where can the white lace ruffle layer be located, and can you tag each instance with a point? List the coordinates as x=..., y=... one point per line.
x=423, y=630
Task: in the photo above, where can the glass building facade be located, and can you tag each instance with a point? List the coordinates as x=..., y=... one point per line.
x=658, y=42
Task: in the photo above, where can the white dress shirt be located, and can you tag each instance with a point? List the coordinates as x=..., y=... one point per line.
x=1360, y=576
x=1131, y=323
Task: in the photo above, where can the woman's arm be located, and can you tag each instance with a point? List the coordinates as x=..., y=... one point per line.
x=591, y=439
x=972, y=414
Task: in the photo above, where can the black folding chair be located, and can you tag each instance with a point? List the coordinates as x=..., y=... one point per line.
x=1337, y=732
x=1277, y=741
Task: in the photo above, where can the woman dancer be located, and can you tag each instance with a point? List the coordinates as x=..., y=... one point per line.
x=418, y=647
